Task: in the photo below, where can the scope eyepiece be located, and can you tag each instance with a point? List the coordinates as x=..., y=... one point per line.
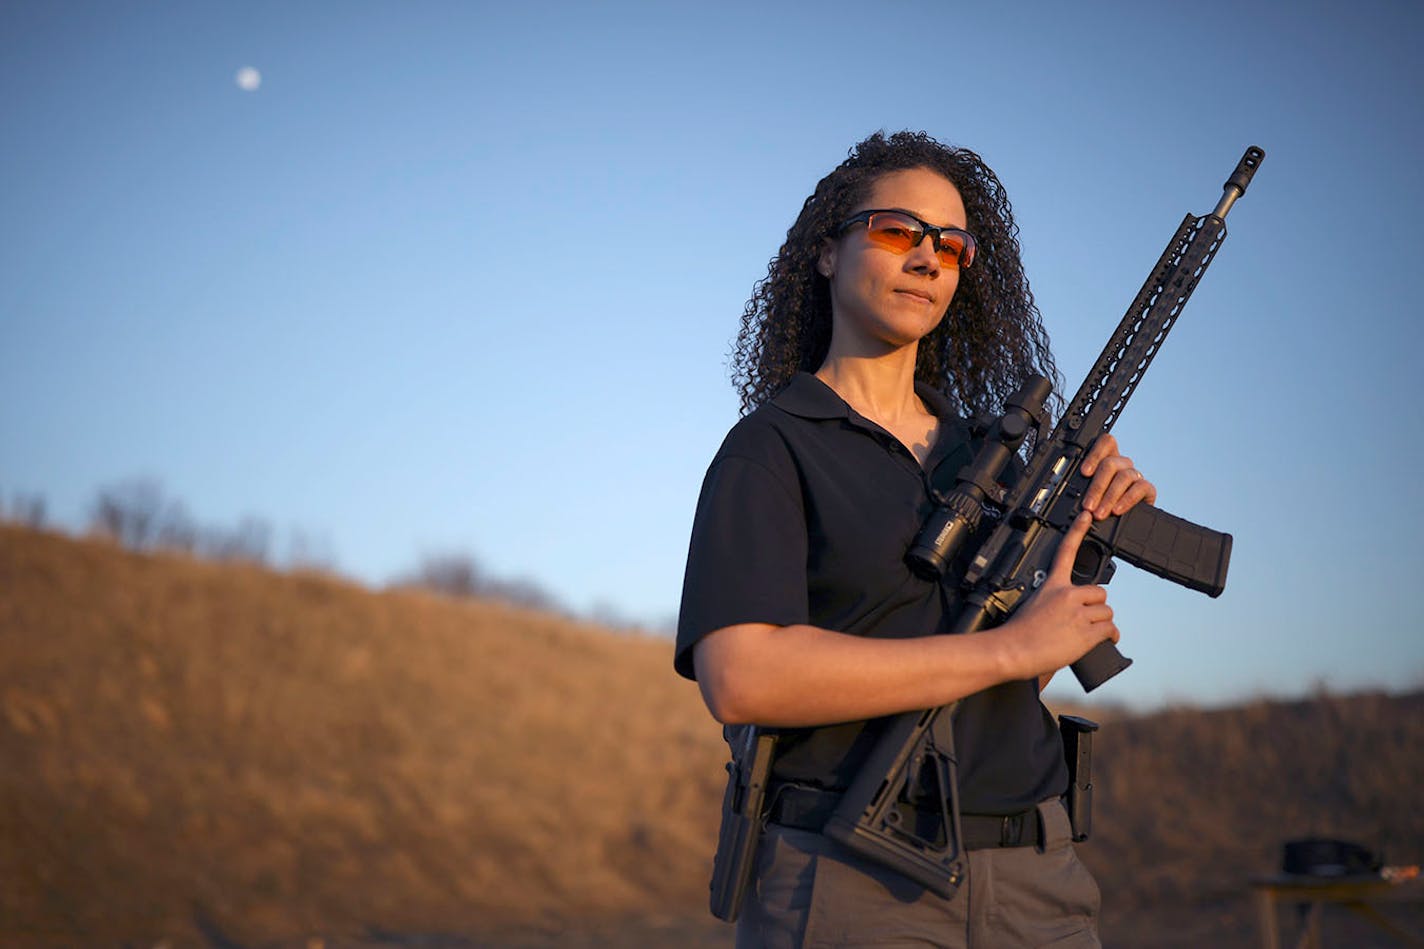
x=943, y=534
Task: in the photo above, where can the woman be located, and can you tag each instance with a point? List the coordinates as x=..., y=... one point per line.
x=897, y=304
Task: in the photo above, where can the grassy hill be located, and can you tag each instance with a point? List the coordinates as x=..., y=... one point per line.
x=209, y=754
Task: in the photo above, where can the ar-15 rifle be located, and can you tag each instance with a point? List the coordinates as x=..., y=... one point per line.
x=914, y=758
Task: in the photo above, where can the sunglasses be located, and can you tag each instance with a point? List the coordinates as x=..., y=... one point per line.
x=899, y=231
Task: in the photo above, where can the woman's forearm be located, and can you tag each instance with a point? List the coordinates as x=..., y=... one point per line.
x=793, y=676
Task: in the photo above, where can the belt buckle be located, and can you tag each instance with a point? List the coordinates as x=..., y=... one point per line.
x=1011, y=830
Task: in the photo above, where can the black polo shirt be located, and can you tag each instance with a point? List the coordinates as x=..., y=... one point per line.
x=805, y=516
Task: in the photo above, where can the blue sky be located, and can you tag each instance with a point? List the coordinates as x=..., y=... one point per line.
x=462, y=277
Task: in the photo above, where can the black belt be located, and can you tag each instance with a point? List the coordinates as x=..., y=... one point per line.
x=802, y=808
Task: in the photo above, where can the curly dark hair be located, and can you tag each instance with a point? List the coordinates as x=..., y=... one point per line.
x=992, y=336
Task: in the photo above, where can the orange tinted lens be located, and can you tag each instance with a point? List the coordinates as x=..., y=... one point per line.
x=894, y=231
x=951, y=248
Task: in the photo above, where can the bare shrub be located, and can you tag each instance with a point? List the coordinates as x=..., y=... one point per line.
x=128, y=513
x=176, y=529
x=309, y=552
x=137, y=515
x=460, y=575
x=450, y=574
x=525, y=592
x=250, y=541
x=27, y=510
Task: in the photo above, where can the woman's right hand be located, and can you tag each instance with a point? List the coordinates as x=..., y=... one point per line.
x=1060, y=622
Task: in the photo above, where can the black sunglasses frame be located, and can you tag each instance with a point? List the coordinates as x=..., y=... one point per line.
x=965, y=255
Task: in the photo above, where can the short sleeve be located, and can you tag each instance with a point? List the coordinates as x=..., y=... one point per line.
x=746, y=562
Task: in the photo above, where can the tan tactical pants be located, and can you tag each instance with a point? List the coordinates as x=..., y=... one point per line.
x=812, y=892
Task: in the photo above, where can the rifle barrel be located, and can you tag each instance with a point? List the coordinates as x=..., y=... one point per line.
x=1236, y=185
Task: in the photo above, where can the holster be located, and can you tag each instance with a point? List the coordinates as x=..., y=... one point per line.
x=743, y=818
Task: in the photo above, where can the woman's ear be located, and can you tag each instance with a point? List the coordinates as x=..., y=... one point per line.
x=826, y=263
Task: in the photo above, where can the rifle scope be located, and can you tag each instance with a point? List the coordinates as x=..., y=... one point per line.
x=955, y=519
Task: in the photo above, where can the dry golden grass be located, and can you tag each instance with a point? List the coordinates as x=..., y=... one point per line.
x=1193, y=804
x=288, y=755
x=205, y=754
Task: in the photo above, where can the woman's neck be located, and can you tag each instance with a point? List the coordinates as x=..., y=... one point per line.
x=880, y=388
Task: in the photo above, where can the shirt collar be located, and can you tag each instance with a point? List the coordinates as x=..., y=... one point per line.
x=809, y=397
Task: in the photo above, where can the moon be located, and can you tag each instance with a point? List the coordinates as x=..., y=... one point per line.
x=248, y=79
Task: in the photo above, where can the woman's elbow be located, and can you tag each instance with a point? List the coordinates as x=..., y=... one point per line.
x=728, y=708
x=728, y=686
x=720, y=693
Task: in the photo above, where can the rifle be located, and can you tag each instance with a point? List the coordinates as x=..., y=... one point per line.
x=914, y=756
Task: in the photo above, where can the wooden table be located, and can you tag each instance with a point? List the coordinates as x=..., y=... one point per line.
x=1361, y=895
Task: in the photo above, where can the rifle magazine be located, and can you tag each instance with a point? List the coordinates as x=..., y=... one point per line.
x=1172, y=547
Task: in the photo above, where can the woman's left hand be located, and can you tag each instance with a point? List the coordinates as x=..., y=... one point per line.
x=1116, y=486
